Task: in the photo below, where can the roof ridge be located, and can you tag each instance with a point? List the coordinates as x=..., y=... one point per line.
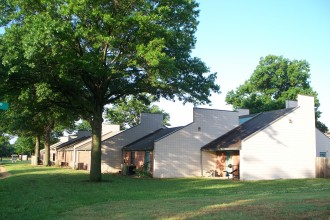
x=248, y=128
x=148, y=135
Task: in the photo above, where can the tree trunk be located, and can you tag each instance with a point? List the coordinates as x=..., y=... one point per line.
x=48, y=131
x=96, y=124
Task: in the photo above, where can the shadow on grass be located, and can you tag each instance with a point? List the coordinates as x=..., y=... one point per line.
x=68, y=193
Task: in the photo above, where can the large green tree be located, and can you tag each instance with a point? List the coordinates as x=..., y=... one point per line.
x=275, y=80
x=127, y=111
x=95, y=52
x=31, y=113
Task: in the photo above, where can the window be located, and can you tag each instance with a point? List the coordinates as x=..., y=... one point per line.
x=133, y=157
x=147, y=161
x=323, y=154
x=54, y=157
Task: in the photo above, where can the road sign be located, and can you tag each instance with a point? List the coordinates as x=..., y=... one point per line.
x=4, y=105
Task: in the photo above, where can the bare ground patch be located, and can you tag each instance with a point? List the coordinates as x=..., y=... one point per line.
x=3, y=173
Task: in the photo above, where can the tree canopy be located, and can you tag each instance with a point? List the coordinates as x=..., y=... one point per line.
x=127, y=111
x=275, y=80
x=24, y=145
x=95, y=52
x=6, y=149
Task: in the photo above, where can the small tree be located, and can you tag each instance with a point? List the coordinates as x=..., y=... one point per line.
x=24, y=145
x=275, y=80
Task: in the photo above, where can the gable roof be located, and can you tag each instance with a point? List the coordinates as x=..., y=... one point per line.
x=71, y=142
x=87, y=145
x=146, y=143
x=233, y=138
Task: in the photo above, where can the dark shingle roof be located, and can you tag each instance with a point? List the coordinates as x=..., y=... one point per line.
x=71, y=142
x=146, y=143
x=235, y=136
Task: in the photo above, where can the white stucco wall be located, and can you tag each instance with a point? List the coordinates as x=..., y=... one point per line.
x=285, y=149
x=209, y=162
x=322, y=143
x=112, y=147
x=179, y=155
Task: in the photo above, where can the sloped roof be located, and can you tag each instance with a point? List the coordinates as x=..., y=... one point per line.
x=147, y=142
x=233, y=138
x=54, y=146
x=71, y=142
x=87, y=145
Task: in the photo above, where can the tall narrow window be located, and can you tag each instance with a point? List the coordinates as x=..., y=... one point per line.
x=147, y=161
x=132, y=157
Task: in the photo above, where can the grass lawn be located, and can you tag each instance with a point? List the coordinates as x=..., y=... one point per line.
x=37, y=192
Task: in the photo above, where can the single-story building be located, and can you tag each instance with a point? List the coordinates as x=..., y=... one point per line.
x=77, y=154
x=269, y=145
x=82, y=150
x=112, y=147
x=63, y=141
x=74, y=150
x=65, y=154
x=179, y=153
x=139, y=154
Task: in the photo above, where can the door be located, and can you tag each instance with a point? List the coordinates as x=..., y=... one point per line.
x=147, y=162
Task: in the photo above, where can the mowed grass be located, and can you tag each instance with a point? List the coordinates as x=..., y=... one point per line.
x=37, y=192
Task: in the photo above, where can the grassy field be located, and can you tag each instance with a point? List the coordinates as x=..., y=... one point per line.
x=36, y=192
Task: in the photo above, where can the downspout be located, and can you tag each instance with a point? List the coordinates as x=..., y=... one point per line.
x=74, y=157
x=123, y=163
x=202, y=163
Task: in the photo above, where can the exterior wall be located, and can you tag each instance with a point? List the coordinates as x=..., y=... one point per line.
x=53, y=157
x=83, y=148
x=221, y=164
x=179, y=154
x=242, y=111
x=84, y=159
x=217, y=162
x=65, y=158
x=106, y=128
x=139, y=159
x=322, y=143
x=208, y=162
x=63, y=139
x=112, y=147
x=236, y=163
x=285, y=149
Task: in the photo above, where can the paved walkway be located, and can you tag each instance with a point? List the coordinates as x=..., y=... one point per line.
x=3, y=173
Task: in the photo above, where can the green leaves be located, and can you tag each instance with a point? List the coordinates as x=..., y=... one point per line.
x=152, y=53
x=127, y=111
x=274, y=80
x=84, y=54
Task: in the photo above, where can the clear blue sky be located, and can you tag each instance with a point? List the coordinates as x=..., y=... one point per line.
x=233, y=35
